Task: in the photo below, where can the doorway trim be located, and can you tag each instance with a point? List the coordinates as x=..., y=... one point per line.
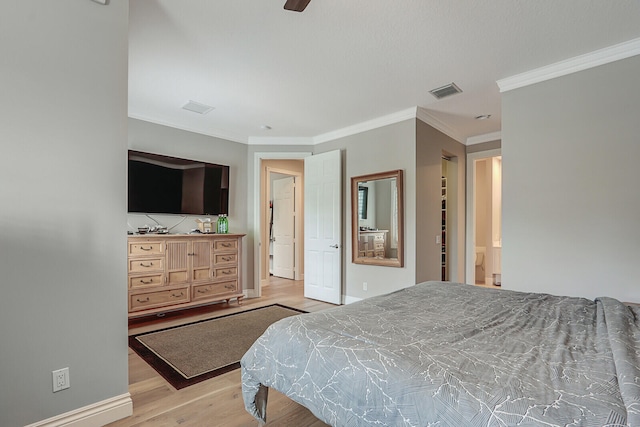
x=257, y=161
x=471, y=209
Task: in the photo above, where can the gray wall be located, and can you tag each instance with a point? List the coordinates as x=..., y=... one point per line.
x=378, y=150
x=431, y=145
x=570, y=184
x=159, y=139
x=63, y=194
x=484, y=146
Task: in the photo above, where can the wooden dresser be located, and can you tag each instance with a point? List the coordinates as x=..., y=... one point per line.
x=174, y=271
x=371, y=243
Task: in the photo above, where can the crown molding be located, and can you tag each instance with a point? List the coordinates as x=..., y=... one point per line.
x=487, y=137
x=274, y=140
x=400, y=116
x=423, y=115
x=397, y=117
x=572, y=65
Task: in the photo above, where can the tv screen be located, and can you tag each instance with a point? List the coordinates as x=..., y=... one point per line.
x=170, y=185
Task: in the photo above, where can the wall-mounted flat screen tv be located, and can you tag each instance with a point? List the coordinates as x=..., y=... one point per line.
x=169, y=185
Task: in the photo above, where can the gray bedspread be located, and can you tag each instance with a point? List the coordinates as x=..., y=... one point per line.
x=444, y=354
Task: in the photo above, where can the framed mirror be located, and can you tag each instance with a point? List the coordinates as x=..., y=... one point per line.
x=377, y=219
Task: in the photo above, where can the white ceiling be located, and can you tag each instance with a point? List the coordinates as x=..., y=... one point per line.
x=344, y=62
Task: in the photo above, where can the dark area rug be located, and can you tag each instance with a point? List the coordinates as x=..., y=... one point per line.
x=187, y=354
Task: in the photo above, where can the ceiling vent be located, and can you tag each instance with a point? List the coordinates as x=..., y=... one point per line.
x=444, y=91
x=196, y=107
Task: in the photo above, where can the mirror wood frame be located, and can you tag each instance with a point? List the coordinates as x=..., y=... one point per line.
x=355, y=224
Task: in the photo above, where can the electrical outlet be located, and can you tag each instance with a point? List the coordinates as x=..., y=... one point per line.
x=61, y=379
x=364, y=286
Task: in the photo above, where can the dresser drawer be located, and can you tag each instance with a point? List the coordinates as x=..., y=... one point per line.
x=146, y=281
x=146, y=248
x=177, y=277
x=225, y=259
x=213, y=290
x=201, y=274
x=223, y=272
x=146, y=300
x=146, y=264
x=225, y=245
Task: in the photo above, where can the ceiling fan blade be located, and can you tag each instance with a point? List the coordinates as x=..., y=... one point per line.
x=296, y=5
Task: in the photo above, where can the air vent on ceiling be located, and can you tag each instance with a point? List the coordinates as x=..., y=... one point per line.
x=197, y=107
x=444, y=91
x=296, y=5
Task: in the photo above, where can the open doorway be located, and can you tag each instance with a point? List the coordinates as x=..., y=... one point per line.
x=451, y=237
x=484, y=219
x=444, y=244
x=283, y=236
x=321, y=177
x=283, y=254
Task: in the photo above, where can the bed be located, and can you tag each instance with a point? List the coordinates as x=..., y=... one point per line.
x=446, y=354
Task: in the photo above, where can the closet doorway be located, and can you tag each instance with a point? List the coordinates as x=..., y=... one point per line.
x=484, y=218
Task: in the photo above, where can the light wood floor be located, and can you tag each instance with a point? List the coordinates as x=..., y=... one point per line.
x=484, y=285
x=217, y=401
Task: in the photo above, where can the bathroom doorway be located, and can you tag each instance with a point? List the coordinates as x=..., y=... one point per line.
x=484, y=219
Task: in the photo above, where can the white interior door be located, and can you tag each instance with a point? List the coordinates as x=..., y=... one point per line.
x=283, y=227
x=322, y=227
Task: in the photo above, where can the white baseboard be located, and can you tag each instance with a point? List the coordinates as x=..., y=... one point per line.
x=95, y=415
x=250, y=293
x=349, y=300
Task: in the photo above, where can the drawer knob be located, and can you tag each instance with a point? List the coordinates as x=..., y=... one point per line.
x=143, y=300
x=146, y=249
x=177, y=296
x=146, y=265
x=226, y=245
x=146, y=282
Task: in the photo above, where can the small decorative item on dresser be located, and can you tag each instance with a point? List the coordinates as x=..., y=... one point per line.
x=205, y=226
x=223, y=224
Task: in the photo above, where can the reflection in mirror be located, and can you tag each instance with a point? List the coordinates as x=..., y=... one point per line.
x=363, y=198
x=377, y=219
